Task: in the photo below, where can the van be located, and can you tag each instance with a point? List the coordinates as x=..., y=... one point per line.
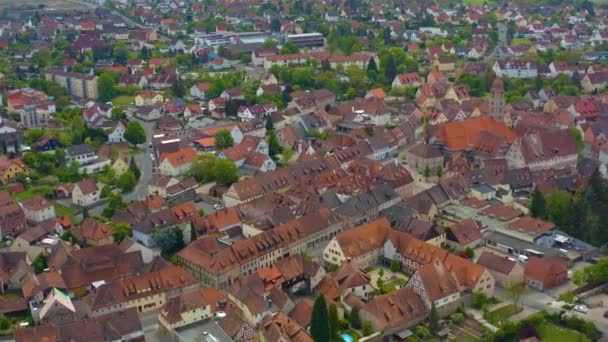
x=522, y=258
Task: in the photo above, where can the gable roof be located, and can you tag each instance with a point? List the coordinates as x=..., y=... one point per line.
x=496, y=263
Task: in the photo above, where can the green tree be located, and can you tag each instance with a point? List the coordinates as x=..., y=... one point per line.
x=193, y=234
x=422, y=332
x=289, y=48
x=354, y=318
x=106, y=87
x=118, y=114
x=470, y=252
x=395, y=265
x=274, y=147
x=320, y=329
x=433, y=319
x=169, y=241
x=367, y=328
x=127, y=181
x=537, y=204
x=334, y=323
x=177, y=88
x=134, y=168
x=39, y=263
x=427, y=171
x=223, y=139
x=515, y=291
x=439, y=171
x=121, y=231
x=203, y=167
x=135, y=133
x=578, y=137
x=225, y=172
x=269, y=124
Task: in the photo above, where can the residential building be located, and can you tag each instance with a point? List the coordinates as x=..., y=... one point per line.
x=78, y=85
x=545, y=273
x=86, y=193
x=146, y=292
x=192, y=307
x=506, y=271
x=425, y=157
x=118, y=326
x=176, y=163
x=37, y=209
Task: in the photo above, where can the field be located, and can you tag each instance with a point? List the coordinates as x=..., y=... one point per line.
x=500, y=316
x=48, y=4
x=553, y=333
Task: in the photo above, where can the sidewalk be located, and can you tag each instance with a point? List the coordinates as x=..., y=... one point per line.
x=478, y=316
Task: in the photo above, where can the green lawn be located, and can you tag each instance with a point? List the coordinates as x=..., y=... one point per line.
x=392, y=285
x=520, y=41
x=63, y=210
x=12, y=294
x=42, y=190
x=499, y=316
x=554, y=333
x=123, y=100
x=463, y=336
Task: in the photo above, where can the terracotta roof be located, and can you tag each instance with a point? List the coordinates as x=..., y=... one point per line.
x=532, y=225
x=206, y=297
x=395, y=308
x=219, y=220
x=170, y=279
x=111, y=327
x=87, y=185
x=37, y=203
x=502, y=212
x=465, y=231
x=92, y=230
x=301, y=313
x=547, y=270
x=279, y=327
x=183, y=156
x=462, y=135
x=496, y=263
x=92, y=264
x=349, y=276
x=438, y=282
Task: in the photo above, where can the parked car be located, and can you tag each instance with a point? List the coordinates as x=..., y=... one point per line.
x=606, y=314
x=218, y=206
x=581, y=308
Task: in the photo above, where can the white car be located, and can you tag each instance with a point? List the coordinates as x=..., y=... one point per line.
x=581, y=308
x=218, y=207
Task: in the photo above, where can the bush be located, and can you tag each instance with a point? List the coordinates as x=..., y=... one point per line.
x=457, y=317
x=367, y=328
x=567, y=297
x=422, y=332
x=480, y=301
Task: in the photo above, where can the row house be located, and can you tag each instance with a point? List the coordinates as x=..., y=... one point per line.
x=146, y=292
x=376, y=242
x=544, y=150
x=222, y=267
x=515, y=69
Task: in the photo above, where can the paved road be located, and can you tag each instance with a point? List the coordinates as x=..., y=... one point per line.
x=145, y=164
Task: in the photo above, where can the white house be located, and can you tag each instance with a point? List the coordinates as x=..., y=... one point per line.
x=117, y=133
x=86, y=193
x=38, y=209
x=515, y=69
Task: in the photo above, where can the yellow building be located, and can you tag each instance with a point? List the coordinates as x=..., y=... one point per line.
x=120, y=165
x=148, y=98
x=10, y=168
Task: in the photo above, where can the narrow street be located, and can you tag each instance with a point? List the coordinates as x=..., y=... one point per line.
x=145, y=164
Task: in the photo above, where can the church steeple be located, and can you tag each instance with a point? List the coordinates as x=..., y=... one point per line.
x=497, y=100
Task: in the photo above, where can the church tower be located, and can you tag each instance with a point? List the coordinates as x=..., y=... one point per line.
x=497, y=100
